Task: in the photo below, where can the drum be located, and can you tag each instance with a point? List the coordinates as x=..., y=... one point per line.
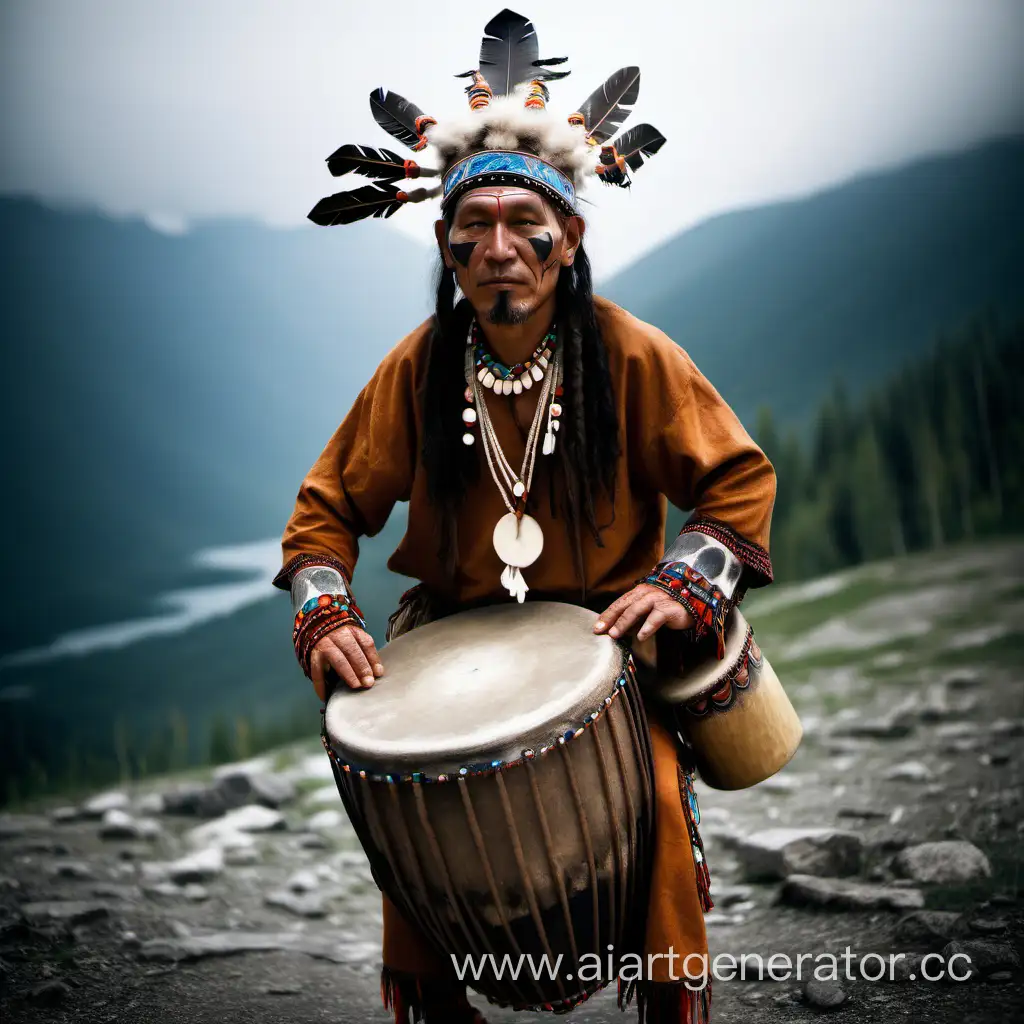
x=499, y=777
x=734, y=711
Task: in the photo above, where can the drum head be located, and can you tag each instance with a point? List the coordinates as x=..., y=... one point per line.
x=476, y=687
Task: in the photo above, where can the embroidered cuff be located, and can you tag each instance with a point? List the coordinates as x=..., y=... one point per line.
x=704, y=539
x=706, y=602
x=284, y=579
x=322, y=602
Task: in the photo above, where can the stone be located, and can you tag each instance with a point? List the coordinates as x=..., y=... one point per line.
x=908, y=967
x=892, y=728
x=114, y=800
x=116, y=891
x=1007, y=727
x=929, y=928
x=50, y=846
x=242, y=787
x=824, y=995
x=307, y=904
x=196, y=947
x=150, y=803
x=197, y=867
x=313, y=841
x=325, y=796
x=908, y=771
x=782, y=783
x=985, y=955
x=64, y=815
x=961, y=679
x=129, y=940
x=118, y=824
x=943, y=863
x=863, y=813
x=241, y=856
x=14, y=826
x=193, y=800
x=232, y=829
x=64, y=912
x=1000, y=977
x=730, y=895
x=779, y=852
x=164, y=889
x=303, y=881
x=841, y=893
x=195, y=892
x=51, y=992
x=989, y=925
x=72, y=869
x=324, y=821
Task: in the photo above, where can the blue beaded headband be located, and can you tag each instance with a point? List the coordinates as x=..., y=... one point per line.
x=501, y=167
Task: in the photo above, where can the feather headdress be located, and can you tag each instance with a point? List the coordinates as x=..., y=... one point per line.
x=507, y=135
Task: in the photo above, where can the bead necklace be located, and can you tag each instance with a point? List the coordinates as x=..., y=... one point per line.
x=518, y=539
x=511, y=380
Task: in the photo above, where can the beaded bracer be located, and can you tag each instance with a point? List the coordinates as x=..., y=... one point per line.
x=320, y=616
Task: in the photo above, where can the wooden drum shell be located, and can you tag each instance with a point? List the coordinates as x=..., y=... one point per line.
x=550, y=854
x=734, y=712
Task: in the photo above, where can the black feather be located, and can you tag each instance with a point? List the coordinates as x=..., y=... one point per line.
x=606, y=108
x=396, y=115
x=379, y=164
x=640, y=141
x=508, y=52
x=348, y=207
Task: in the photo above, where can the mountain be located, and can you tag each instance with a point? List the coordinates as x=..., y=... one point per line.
x=168, y=393
x=778, y=302
x=165, y=394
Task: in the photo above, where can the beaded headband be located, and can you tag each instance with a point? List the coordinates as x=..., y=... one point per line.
x=507, y=136
x=499, y=167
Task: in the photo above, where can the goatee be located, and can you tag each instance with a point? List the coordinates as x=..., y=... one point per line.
x=503, y=312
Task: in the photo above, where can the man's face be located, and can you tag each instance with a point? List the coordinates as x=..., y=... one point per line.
x=507, y=246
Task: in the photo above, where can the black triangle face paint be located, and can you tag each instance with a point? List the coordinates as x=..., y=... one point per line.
x=462, y=251
x=542, y=245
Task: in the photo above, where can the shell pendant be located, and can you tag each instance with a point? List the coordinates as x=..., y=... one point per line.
x=518, y=542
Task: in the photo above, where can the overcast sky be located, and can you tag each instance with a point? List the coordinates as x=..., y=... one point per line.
x=186, y=109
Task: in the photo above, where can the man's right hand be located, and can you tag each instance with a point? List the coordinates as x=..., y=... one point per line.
x=351, y=652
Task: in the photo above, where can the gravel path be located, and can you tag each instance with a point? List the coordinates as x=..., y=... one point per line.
x=245, y=896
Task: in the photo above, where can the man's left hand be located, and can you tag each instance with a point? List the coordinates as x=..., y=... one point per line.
x=644, y=600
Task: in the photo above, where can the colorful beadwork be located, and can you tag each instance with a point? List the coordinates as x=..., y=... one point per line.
x=701, y=598
x=503, y=379
x=496, y=166
x=734, y=685
x=318, y=617
x=474, y=770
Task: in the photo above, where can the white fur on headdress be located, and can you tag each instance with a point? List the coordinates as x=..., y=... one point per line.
x=507, y=125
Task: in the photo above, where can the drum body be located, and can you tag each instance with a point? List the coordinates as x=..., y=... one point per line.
x=499, y=777
x=734, y=711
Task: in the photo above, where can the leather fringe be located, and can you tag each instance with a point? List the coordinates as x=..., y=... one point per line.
x=412, y=998
x=666, y=1003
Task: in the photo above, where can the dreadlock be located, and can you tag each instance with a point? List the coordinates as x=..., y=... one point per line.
x=589, y=442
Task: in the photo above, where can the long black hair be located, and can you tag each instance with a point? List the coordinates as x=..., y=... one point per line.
x=588, y=441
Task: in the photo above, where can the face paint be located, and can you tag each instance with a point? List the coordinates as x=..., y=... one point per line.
x=462, y=251
x=542, y=245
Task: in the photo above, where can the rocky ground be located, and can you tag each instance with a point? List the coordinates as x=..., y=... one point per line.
x=896, y=829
